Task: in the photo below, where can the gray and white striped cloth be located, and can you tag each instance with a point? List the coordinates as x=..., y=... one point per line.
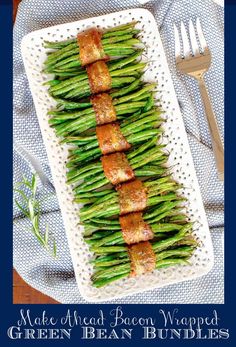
x=56, y=277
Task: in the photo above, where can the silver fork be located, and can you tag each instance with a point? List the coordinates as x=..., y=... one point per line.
x=195, y=61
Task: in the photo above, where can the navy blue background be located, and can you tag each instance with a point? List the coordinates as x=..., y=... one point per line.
x=9, y=313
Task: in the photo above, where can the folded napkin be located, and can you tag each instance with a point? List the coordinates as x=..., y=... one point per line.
x=56, y=277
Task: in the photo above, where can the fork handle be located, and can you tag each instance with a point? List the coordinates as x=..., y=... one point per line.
x=214, y=130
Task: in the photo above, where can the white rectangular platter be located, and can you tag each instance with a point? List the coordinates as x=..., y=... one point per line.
x=180, y=159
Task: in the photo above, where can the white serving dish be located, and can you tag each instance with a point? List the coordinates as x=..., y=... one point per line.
x=219, y=2
x=180, y=159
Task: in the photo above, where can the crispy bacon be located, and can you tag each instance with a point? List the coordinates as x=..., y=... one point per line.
x=134, y=228
x=116, y=168
x=142, y=258
x=90, y=46
x=99, y=77
x=103, y=108
x=132, y=197
x=111, y=139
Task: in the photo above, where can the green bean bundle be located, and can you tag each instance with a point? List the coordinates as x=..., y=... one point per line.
x=71, y=123
x=64, y=104
x=114, y=262
x=158, y=190
x=136, y=129
x=122, y=73
x=139, y=157
x=109, y=238
x=65, y=61
x=164, y=217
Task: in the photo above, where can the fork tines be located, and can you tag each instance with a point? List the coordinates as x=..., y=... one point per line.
x=192, y=42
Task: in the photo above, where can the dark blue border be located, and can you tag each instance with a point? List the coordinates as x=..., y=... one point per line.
x=230, y=168
x=6, y=148
x=9, y=313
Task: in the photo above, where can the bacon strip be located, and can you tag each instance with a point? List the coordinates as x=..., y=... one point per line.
x=103, y=108
x=116, y=168
x=90, y=46
x=142, y=258
x=111, y=139
x=132, y=197
x=134, y=228
x=99, y=77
